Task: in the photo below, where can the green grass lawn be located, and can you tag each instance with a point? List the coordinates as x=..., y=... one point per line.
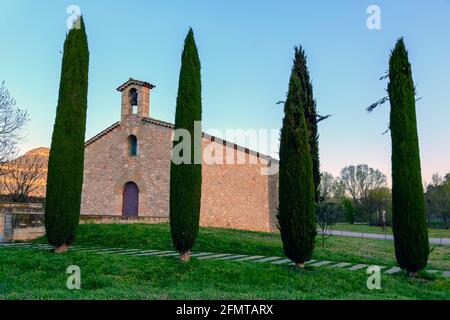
x=432, y=233
x=31, y=274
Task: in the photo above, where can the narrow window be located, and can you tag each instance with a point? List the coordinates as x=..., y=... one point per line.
x=132, y=141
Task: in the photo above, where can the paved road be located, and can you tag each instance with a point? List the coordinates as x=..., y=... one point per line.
x=440, y=241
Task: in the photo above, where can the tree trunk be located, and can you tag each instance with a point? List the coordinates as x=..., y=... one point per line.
x=61, y=249
x=185, y=256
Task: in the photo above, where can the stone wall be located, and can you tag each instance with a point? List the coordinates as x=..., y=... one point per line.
x=233, y=195
x=8, y=215
x=28, y=234
x=108, y=167
x=20, y=229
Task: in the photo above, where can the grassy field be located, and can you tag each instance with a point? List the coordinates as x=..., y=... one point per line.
x=30, y=274
x=432, y=233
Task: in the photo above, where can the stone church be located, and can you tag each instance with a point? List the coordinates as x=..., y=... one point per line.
x=127, y=172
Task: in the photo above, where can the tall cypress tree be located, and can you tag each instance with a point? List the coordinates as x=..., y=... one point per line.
x=409, y=217
x=66, y=160
x=309, y=107
x=186, y=178
x=296, y=213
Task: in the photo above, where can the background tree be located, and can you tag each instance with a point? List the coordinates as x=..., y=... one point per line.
x=438, y=199
x=24, y=176
x=338, y=189
x=327, y=182
x=408, y=206
x=348, y=210
x=331, y=189
x=359, y=181
x=186, y=178
x=65, y=166
x=296, y=214
x=12, y=121
x=309, y=107
x=379, y=205
x=328, y=214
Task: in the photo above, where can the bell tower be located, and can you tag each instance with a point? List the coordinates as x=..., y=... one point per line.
x=135, y=98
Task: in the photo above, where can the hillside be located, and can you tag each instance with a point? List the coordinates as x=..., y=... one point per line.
x=28, y=173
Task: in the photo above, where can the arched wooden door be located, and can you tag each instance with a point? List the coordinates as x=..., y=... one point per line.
x=130, y=203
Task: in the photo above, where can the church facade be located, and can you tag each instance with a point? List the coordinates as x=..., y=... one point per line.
x=127, y=172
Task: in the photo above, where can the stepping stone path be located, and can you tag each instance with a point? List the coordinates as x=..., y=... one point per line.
x=248, y=258
x=267, y=259
x=172, y=254
x=282, y=261
x=357, y=267
x=393, y=270
x=216, y=256
x=341, y=265
x=200, y=254
x=321, y=263
x=146, y=254
x=232, y=257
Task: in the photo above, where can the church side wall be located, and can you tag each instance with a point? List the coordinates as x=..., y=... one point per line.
x=234, y=196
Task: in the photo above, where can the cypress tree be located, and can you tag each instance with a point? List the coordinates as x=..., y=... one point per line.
x=296, y=213
x=409, y=217
x=186, y=178
x=309, y=107
x=66, y=159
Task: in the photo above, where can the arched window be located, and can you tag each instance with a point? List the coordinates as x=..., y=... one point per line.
x=132, y=144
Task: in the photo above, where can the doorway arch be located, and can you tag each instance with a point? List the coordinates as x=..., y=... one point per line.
x=130, y=202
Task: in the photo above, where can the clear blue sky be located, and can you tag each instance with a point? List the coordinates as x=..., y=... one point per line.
x=246, y=49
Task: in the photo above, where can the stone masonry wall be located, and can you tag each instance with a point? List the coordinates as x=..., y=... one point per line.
x=24, y=233
x=233, y=195
x=108, y=167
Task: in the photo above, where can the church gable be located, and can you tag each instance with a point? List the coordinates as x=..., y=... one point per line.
x=127, y=172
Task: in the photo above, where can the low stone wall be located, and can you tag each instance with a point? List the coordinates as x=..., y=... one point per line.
x=12, y=207
x=28, y=234
x=25, y=222
x=20, y=221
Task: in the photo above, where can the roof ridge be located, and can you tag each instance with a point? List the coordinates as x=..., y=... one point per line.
x=171, y=126
x=102, y=133
x=214, y=138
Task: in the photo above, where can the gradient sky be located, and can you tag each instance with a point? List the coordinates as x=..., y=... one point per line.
x=246, y=50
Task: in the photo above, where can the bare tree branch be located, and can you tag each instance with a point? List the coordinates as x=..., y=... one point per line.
x=12, y=120
x=24, y=176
